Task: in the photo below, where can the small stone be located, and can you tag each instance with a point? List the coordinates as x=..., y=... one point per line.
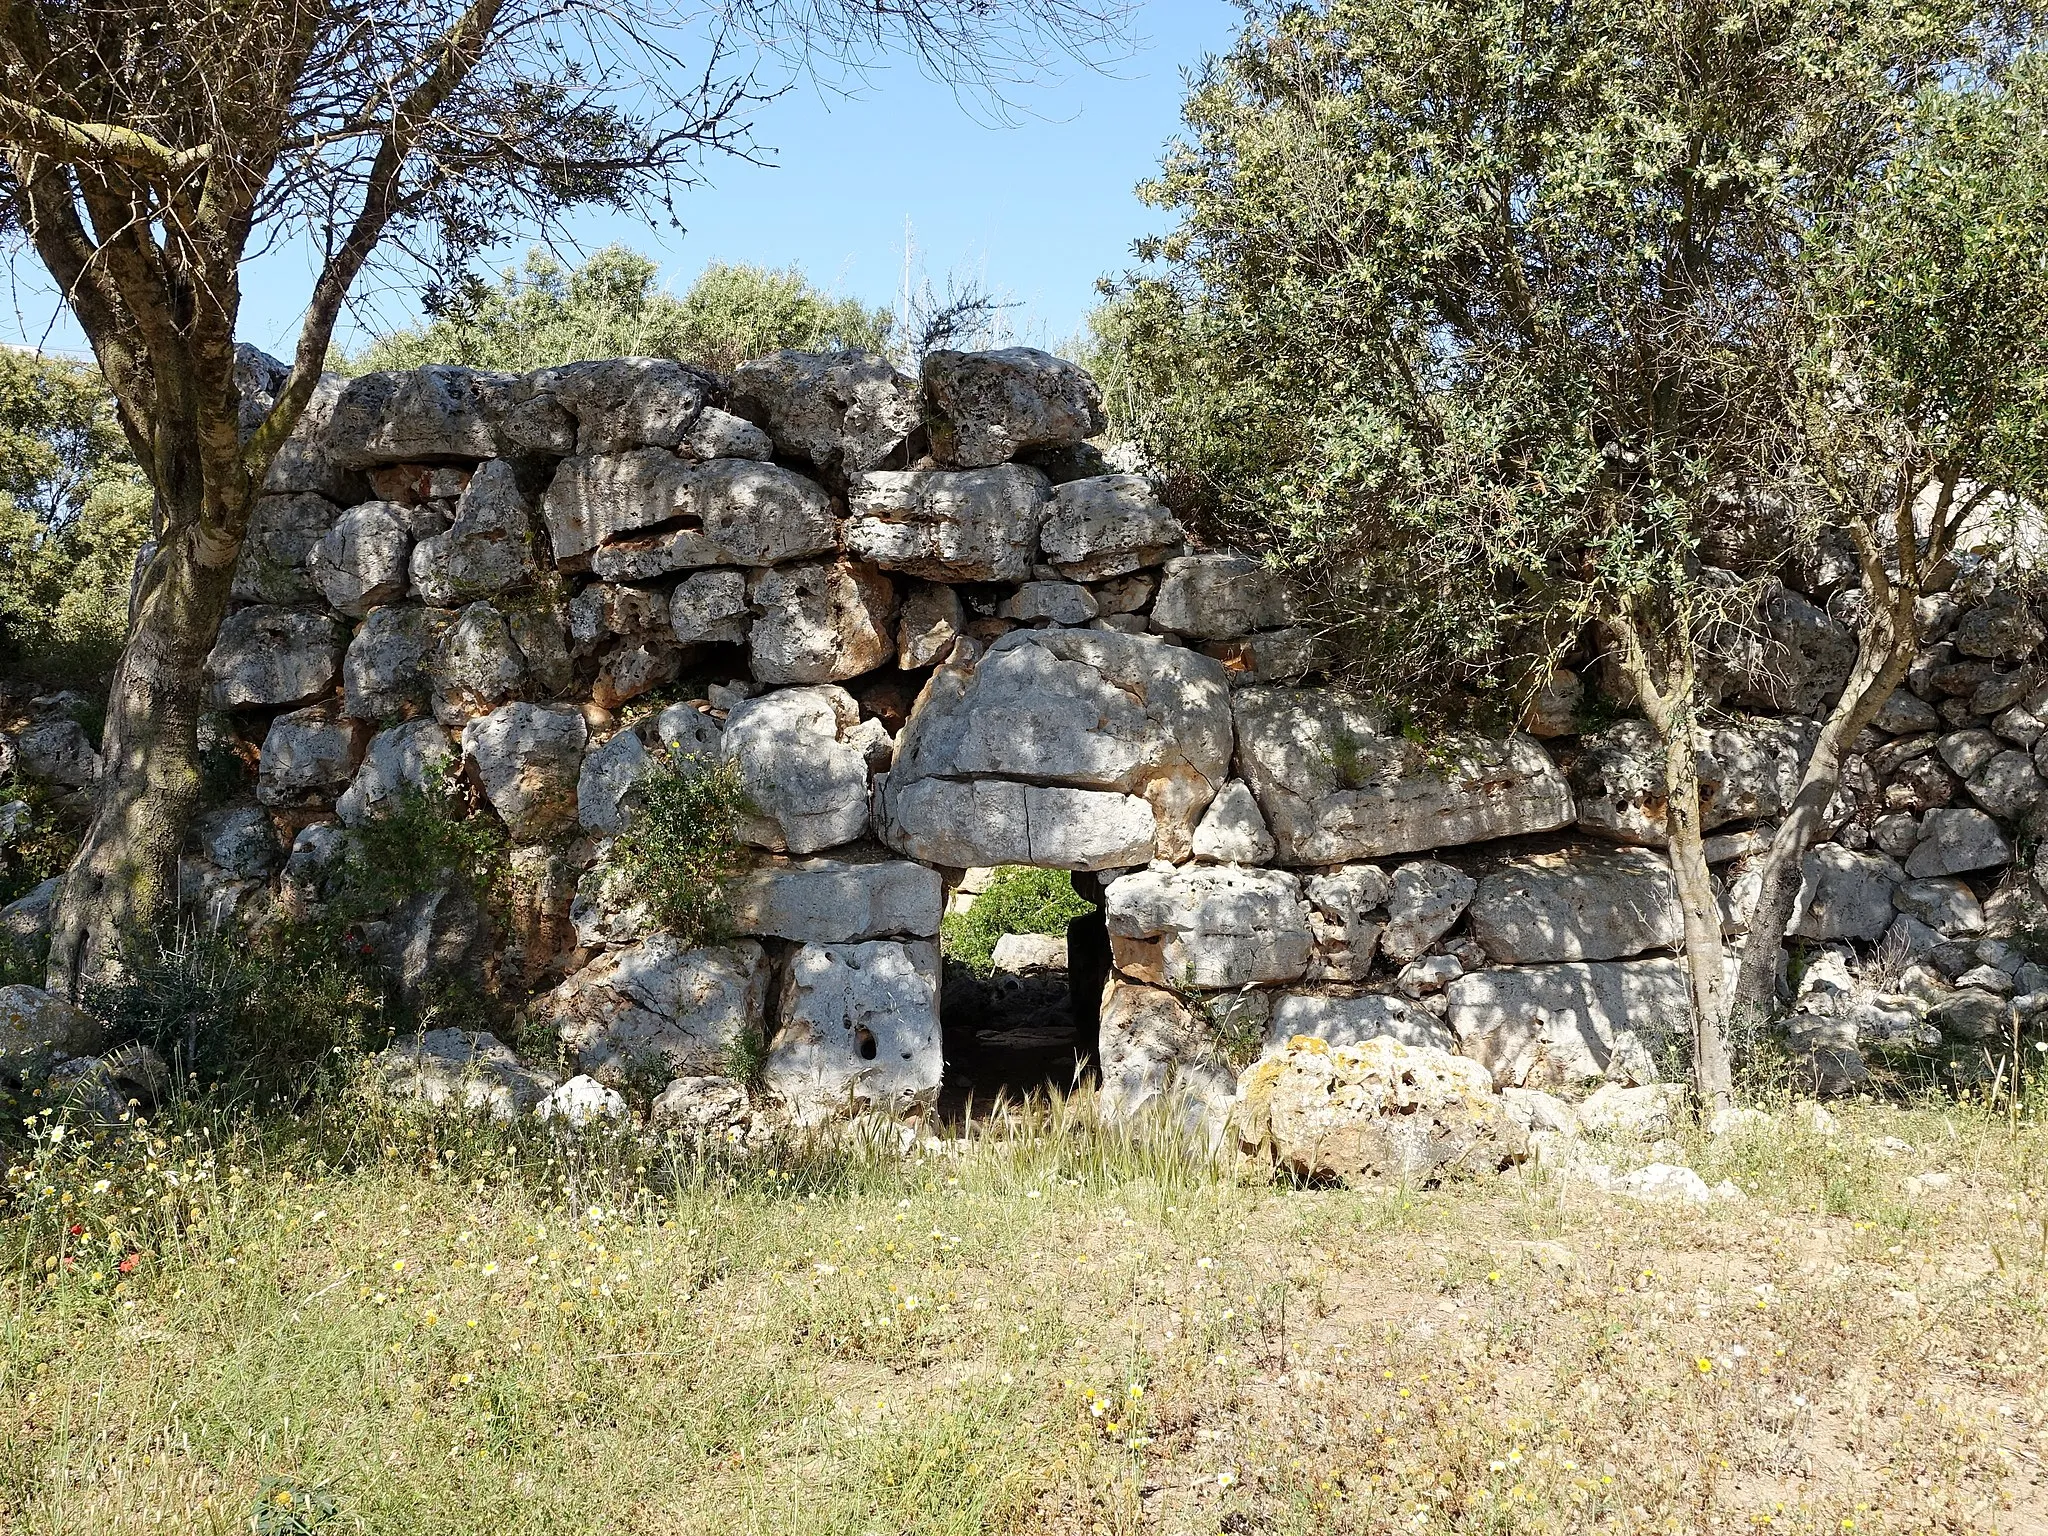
x=605, y=786
x=1430, y=974
x=1425, y=902
x=582, y=1101
x=1050, y=602
x=2007, y=786
x=1233, y=830
x=1896, y=834
x=931, y=621
x=1944, y=904
x=487, y=550
x=2001, y=627
x=455, y=1068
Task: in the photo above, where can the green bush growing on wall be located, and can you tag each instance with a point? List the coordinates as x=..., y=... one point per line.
x=681, y=844
x=1018, y=900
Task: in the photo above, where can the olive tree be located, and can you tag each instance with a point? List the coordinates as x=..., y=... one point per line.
x=150, y=146
x=1483, y=317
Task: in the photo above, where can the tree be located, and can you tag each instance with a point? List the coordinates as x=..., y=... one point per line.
x=544, y=314
x=152, y=144
x=1481, y=318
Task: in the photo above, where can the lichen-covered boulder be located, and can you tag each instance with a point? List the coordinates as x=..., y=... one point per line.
x=1540, y=1025
x=987, y=407
x=476, y=666
x=57, y=751
x=1337, y=781
x=841, y=412
x=271, y=565
x=857, y=1027
x=949, y=525
x=832, y=901
x=1379, y=1110
x=1579, y=904
x=2002, y=627
x=406, y=757
x=487, y=550
x=462, y=1069
x=38, y=1030
x=1210, y=928
x=660, y=1010
x=266, y=658
x=1221, y=597
x=528, y=759
x=820, y=623
x=710, y=608
x=387, y=669
x=1108, y=525
x=807, y=782
x=308, y=756
x=640, y=515
x=428, y=415
x=1075, y=749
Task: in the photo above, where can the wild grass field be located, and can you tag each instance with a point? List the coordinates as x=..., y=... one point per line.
x=341, y=1320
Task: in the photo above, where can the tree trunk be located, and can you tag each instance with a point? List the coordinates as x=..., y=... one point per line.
x=1884, y=654
x=1705, y=972
x=123, y=885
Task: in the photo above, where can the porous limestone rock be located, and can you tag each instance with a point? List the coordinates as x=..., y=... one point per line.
x=1578, y=904
x=2001, y=627
x=604, y=609
x=528, y=759
x=1057, y=749
x=1108, y=525
x=387, y=670
x=1794, y=661
x=1354, y=1020
x=476, y=665
x=635, y=516
x=661, y=1010
x=1955, y=842
x=2007, y=785
x=700, y=1106
x=406, y=757
x=1049, y=602
x=1210, y=928
x=360, y=562
x=949, y=525
x=1944, y=904
x=857, y=1026
x=308, y=755
x=636, y=667
x=38, y=1030
x=488, y=549
x=820, y=623
x=808, y=784
x=605, y=786
x=1539, y=1025
x=709, y=608
x=930, y=621
x=628, y=402
x=1750, y=771
x=270, y=566
x=841, y=412
x=1844, y=895
x=1345, y=918
x=265, y=658
x=462, y=1069
x=1157, y=1058
x=57, y=751
x=1337, y=781
x=1379, y=1110
x=1219, y=597
x=832, y=901
x=1232, y=830
x=985, y=408
x=1424, y=902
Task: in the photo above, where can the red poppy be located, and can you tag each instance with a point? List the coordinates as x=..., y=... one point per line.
x=127, y=1265
x=77, y=1230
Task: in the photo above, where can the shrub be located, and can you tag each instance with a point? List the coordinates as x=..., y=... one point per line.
x=1018, y=900
x=41, y=849
x=417, y=845
x=681, y=844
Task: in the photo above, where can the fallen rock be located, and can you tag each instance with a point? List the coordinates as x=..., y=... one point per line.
x=1644, y=1112
x=25, y=922
x=949, y=525
x=985, y=408
x=582, y=1101
x=661, y=1010
x=57, y=751
x=857, y=1026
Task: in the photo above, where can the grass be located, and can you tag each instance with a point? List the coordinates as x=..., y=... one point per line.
x=350, y=1320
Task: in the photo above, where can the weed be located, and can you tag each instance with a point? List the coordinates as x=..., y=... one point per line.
x=417, y=845
x=1019, y=899
x=681, y=844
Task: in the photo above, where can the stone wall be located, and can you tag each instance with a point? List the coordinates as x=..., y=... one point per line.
x=936, y=631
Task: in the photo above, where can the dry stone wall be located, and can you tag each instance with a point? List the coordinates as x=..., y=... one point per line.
x=936, y=630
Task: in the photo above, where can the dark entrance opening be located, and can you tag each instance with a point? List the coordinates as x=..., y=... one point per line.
x=1018, y=1016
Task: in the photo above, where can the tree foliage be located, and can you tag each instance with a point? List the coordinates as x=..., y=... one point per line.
x=612, y=306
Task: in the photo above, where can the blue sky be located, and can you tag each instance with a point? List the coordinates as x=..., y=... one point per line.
x=1037, y=208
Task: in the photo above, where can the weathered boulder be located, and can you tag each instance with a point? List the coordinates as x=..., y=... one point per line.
x=528, y=759
x=1353, y=1021
x=1337, y=781
x=1794, y=661
x=476, y=665
x=488, y=549
x=1749, y=770
x=820, y=623
x=1232, y=831
x=1108, y=525
x=38, y=1030
x=2007, y=785
x=1207, y=927
x=57, y=751
x=930, y=620
x=268, y=657
x=2002, y=627
x=1844, y=895
x=949, y=525
x=710, y=608
x=1158, y=1059
x=1424, y=902
x=1050, y=602
x=1944, y=904
x=1219, y=597
x=271, y=566
x=309, y=755
x=831, y=901
x=25, y=921
x=1539, y=1025
x=406, y=757
x=1343, y=903
x=635, y=516
x=603, y=609
x=1057, y=749
x=1954, y=842
x=807, y=782
x=1556, y=708
x=241, y=840
x=1578, y=905
x=659, y=1010
x=360, y=562
x=636, y=667
x=1967, y=751
x=605, y=786
x=386, y=671
x=628, y=402
x=987, y=407
x=857, y=1026
x=841, y=412
x=461, y=1069
x=1904, y=714
x=700, y=1106
x=1378, y=1110
x=431, y=940
x=428, y=415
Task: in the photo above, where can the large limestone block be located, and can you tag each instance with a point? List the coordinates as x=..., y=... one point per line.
x=857, y=1027
x=659, y=1010
x=435, y=414
x=1379, y=1110
x=841, y=412
x=1108, y=525
x=360, y=563
x=1424, y=902
x=460, y=1069
x=820, y=623
x=635, y=516
x=1954, y=842
x=628, y=402
x=1209, y=928
x=1750, y=770
x=808, y=782
x=270, y=567
x=488, y=549
x=265, y=658
x=1578, y=905
x=528, y=759
x=1121, y=718
x=1337, y=781
x=604, y=789
x=1844, y=895
x=947, y=525
x=831, y=901
x=387, y=670
x=308, y=755
x=1794, y=661
x=709, y=608
x=406, y=757
x=1539, y=1025
x=1158, y=1059
x=1220, y=597
x=1354, y=1020
x=988, y=407
x=476, y=666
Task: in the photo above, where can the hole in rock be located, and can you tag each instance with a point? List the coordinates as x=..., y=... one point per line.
x=1027, y=952
x=864, y=1041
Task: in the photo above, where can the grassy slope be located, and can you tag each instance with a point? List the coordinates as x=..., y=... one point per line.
x=448, y=1337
